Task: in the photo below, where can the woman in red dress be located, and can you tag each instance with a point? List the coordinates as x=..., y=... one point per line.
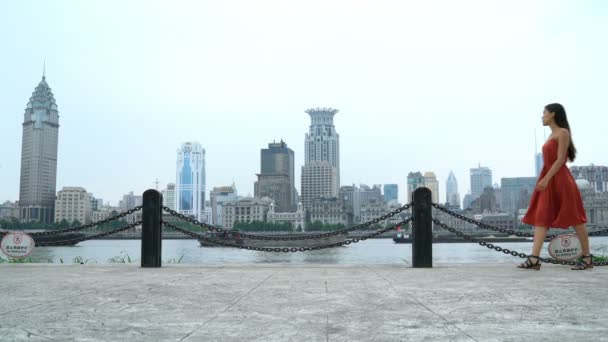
x=556, y=201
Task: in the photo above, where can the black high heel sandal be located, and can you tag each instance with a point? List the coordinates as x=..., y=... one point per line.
x=528, y=263
x=582, y=265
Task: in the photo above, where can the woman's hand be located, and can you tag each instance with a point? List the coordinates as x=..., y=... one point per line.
x=542, y=185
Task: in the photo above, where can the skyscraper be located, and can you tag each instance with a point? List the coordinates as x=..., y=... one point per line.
x=367, y=194
x=452, y=195
x=430, y=181
x=391, y=193
x=275, y=186
x=319, y=180
x=415, y=180
x=169, y=196
x=39, y=156
x=481, y=177
x=467, y=201
x=322, y=142
x=498, y=195
x=516, y=193
x=485, y=202
x=538, y=163
x=276, y=178
x=538, y=158
x=130, y=201
x=191, y=183
x=321, y=170
x=219, y=196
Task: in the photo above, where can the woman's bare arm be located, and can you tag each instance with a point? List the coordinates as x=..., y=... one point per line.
x=563, y=141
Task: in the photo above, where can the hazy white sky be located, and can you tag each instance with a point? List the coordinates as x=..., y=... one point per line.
x=420, y=85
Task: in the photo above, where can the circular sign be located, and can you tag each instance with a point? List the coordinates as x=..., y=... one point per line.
x=17, y=244
x=565, y=247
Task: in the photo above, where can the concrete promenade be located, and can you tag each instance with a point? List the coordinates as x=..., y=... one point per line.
x=452, y=302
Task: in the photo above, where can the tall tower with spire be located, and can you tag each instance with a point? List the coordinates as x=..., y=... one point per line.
x=322, y=142
x=321, y=170
x=39, y=156
x=452, y=195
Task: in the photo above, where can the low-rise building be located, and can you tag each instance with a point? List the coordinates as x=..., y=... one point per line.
x=352, y=196
x=372, y=210
x=398, y=217
x=499, y=220
x=452, y=221
x=595, y=203
x=330, y=210
x=296, y=219
x=9, y=210
x=596, y=175
x=73, y=204
x=109, y=211
x=247, y=209
x=105, y=212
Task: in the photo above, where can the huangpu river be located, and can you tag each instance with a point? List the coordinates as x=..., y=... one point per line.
x=372, y=251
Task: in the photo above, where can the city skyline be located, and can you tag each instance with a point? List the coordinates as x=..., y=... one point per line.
x=403, y=185
x=117, y=98
x=204, y=196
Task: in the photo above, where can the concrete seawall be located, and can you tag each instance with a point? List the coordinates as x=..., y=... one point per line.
x=451, y=302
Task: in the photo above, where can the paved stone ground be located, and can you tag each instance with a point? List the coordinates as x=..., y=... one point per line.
x=301, y=303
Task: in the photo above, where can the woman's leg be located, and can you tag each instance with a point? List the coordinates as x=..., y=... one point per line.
x=581, y=231
x=539, y=238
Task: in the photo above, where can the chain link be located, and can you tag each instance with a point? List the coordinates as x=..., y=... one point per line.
x=507, y=231
x=89, y=237
x=506, y=250
x=83, y=227
x=286, y=249
x=483, y=225
x=287, y=238
x=598, y=232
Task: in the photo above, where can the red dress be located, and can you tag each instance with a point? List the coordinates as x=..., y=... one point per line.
x=560, y=205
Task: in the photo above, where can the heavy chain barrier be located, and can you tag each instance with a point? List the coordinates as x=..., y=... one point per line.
x=90, y=237
x=287, y=238
x=286, y=249
x=506, y=250
x=83, y=227
x=507, y=231
x=597, y=232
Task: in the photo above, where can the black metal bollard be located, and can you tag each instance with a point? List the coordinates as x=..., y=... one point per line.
x=151, y=230
x=422, y=230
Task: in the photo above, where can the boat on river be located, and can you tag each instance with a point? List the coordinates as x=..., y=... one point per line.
x=237, y=239
x=401, y=237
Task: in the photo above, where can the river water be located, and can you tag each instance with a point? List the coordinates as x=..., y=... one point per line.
x=373, y=251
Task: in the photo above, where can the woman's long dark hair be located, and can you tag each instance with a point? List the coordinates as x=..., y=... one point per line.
x=562, y=121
